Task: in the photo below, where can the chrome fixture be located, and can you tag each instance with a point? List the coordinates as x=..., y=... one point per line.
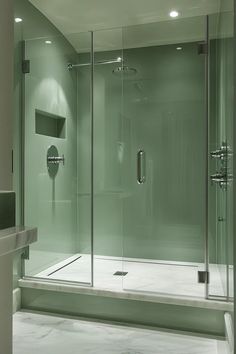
x=100, y=62
x=203, y=277
x=221, y=178
x=141, y=167
x=53, y=161
x=124, y=70
x=223, y=153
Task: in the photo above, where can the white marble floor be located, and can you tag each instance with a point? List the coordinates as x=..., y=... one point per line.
x=39, y=333
x=174, y=278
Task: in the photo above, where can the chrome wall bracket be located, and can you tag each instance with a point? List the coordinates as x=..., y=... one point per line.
x=26, y=66
x=203, y=277
x=26, y=253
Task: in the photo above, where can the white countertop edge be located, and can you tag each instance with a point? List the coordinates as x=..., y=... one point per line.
x=15, y=238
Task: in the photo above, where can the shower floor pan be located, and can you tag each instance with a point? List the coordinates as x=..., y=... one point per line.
x=137, y=275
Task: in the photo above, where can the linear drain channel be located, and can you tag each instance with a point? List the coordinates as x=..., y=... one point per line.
x=65, y=265
x=120, y=273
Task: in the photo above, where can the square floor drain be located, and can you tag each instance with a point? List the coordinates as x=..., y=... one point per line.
x=120, y=273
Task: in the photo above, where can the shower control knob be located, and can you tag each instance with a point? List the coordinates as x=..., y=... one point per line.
x=53, y=160
x=56, y=159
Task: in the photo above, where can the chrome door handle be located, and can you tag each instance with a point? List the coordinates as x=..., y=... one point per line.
x=141, y=167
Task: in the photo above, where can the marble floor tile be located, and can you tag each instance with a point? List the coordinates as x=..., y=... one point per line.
x=44, y=334
x=174, y=278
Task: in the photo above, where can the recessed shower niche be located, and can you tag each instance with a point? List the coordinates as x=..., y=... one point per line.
x=50, y=124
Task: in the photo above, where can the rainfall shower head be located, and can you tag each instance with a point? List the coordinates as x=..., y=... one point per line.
x=126, y=70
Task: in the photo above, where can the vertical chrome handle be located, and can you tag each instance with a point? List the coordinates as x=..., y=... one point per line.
x=141, y=167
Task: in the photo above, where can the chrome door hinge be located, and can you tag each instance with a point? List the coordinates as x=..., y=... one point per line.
x=203, y=48
x=26, y=253
x=26, y=66
x=203, y=277
x=12, y=161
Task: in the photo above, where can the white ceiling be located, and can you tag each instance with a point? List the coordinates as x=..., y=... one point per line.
x=74, y=16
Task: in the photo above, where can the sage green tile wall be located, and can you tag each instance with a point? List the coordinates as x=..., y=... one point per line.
x=84, y=146
x=165, y=217
x=107, y=186
x=161, y=111
x=49, y=204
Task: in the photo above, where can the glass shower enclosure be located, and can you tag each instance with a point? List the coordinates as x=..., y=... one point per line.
x=53, y=179
x=120, y=130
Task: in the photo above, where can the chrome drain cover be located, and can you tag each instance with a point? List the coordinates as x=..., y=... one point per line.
x=120, y=273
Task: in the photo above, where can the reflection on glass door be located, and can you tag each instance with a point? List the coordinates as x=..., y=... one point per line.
x=221, y=159
x=57, y=191
x=109, y=150
x=164, y=135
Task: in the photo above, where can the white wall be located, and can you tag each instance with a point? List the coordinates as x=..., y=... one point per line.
x=6, y=302
x=6, y=87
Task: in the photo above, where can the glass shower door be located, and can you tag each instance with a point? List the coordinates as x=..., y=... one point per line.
x=165, y=151
x=57, y=160
x=221, y=159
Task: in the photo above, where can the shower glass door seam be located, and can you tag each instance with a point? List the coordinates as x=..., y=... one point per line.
x=207, y=72
x=22, y=142
x=92, y=158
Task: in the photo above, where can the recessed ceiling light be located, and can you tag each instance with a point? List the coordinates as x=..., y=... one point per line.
x=48, y=42
x=18, y=19
x=174, y=14
x=179, y=48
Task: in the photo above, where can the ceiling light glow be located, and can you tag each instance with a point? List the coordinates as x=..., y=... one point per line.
x=18, y=19
x=174, y=14
x=179, y=48
x=48, y=42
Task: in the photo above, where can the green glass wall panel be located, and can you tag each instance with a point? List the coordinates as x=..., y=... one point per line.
x=164, y=218
x=152, y=221
x=50, y=203
x=108, y=146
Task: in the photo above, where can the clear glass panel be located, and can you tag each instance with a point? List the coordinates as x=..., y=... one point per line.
x=164, y=138
x=58, y=191
x=221, y=138
x=108, y=159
